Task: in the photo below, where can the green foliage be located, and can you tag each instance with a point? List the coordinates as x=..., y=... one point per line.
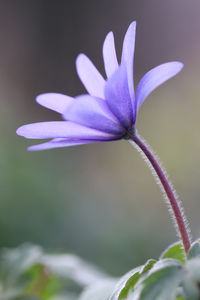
x=161, y=282
x=99, y=291
x=127, y=283
x=174, y=251
x=28, y=273
x=194, y=251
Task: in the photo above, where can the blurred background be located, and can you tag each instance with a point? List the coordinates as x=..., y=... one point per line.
x=97, y=201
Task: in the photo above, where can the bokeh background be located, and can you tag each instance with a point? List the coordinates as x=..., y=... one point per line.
x=98, y=201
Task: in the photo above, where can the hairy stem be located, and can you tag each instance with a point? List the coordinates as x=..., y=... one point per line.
x=174, y=205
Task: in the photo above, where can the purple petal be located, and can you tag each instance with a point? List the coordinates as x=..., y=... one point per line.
x=128, y=55
x=90, y=76
x=118, y=97
x=95, y=113
x=59, y=143
x=55, y=101
x=61, y=129
x=154, y=78
x=109, y=55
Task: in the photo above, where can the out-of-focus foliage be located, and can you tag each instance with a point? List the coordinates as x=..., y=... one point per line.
x=27, y=272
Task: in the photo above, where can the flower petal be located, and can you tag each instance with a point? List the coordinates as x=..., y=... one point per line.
x=90, y=76
x=59, y=143
x=93, y=112
x=128, y=55
x=61, y=129
x=55, y=101
x=118, y=97
x=155, y=77
x=109, y=55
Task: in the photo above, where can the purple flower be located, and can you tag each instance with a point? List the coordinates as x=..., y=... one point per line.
x=108, y=112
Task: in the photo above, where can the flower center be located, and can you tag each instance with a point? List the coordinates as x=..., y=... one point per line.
x=130, y=133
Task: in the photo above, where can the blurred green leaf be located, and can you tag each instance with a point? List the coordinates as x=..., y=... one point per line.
x=38, y=276
x=99, y=291
x=52, y=286
x=14, y=262
x=174, y=251
x=66, y=296
x=26, y=271
x=191, y=280
x=27, y=298
x=191, y=290
x=194, y=251
x=193, y=268
x=13, y=266
x=121, y=284
x=71, y=267
x=128, y=281
x=129, y=286
x=42, y=283
x=166, y=262
x=10, y=293
x=148, y=266
x=160, y=283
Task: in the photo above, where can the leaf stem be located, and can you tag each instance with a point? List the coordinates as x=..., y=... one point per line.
x=173, y=202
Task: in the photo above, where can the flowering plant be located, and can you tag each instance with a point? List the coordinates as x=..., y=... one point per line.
x=108, y=113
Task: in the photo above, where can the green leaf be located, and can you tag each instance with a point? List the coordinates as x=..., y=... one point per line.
x=14, y=262
x=175, y=251
x=26, y=298
x=12, y=293
x=194, y=251
x=99, y=291
x=160, y=283
x=193, y=268
x=127, y=283
x=121, y=284
x=66, y=296
x=42, y=283
x=13, y=266
x=51, y=287
x=191, y=290
x=130, y=284
x=148, y=266
x=71, y=267
x=191, y=280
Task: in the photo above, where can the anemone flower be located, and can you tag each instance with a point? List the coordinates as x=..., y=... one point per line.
x=108, y=112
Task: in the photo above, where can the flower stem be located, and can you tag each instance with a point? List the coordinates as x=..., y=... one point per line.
x=175, y=208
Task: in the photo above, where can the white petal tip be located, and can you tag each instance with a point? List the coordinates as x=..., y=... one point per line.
x=34, y=148
x=31, y=148
x=40, y=99
x=109, y=38
x=180, y=64
x=174, y=66
x=132, y=25
x=25, y=132
x=80, y=57
x=19, y=131
x=110, y=35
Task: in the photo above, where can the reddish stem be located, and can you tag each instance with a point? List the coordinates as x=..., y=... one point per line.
x=178, y=214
